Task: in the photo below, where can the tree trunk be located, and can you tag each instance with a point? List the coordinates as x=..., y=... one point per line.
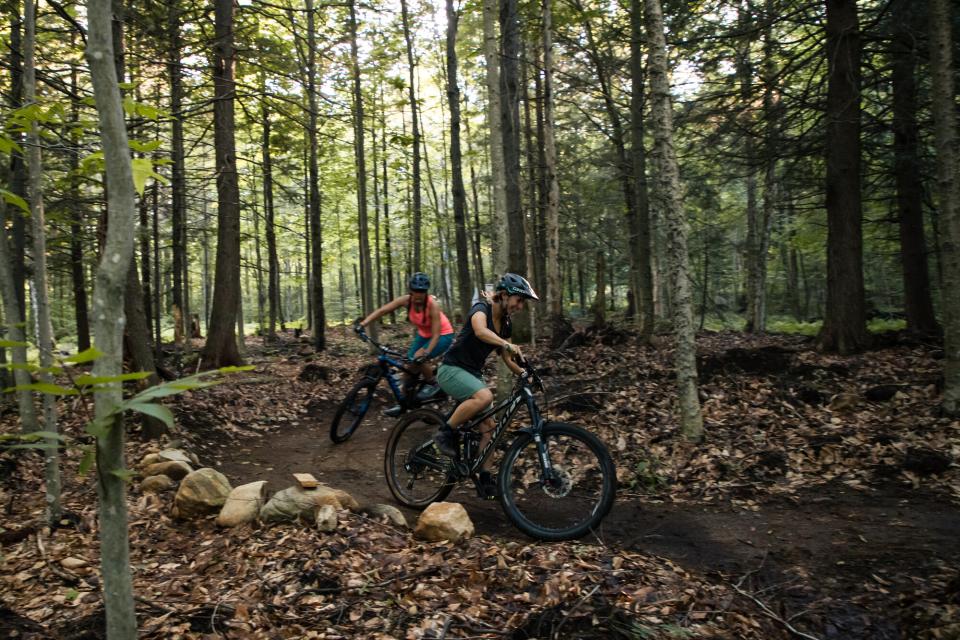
x=178, y=206
x=917, y=303
x=948, y=191
x=108, y=325
x=319, y=320
x=366, y=270
x=221, y=348
x=456, y=162
x=15, y=327
x=76, y=229
x=499, y=248
x=273, y=263
x=599, y=308
x=844, y=325
x=388, y=247
x=552, y=210
x=18, y=166
x=639, y=223
x=414, y=118
x=667, y=193
x=37, y=217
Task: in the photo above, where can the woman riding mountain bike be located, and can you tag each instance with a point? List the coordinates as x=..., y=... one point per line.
x=487, y=328
x=432, y=337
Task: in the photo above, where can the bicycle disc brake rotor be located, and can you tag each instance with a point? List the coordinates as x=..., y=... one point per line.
x=559, y=484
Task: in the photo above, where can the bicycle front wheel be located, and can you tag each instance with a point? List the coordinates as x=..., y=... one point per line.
x=572, y=497
x=352, y=410
x=417, y=473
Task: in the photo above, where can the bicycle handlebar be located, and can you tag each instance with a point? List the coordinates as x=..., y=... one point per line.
x=384, y=348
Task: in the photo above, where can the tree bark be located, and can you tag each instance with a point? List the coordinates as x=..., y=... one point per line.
x=669, y=201
x=37, y=217
x=456, y=163
x=639, y=222
x=917, y=303
x=178, y=206
x=221, y=348
x=108, y=324
x=844, y=325
x=78, y=278
x=18, y=166
x=318, y=316
x=948, y=191
x=491, y=53
x=415, y=123
x=366, y=270
x=273, y=263
x=551, y=213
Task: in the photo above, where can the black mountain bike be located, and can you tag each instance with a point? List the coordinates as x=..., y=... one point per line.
x=390, y=364
x=556, y=480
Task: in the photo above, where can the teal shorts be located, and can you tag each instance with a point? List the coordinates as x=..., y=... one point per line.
x=457, y=382
x=419, y=342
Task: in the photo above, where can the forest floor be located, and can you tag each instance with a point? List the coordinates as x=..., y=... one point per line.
x=823, y=503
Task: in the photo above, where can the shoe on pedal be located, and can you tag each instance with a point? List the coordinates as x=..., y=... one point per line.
x=393, y=411
x=487, y=485
x=447, y=441
x=427, y=392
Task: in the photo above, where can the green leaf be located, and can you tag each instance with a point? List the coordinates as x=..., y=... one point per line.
x=157, y=411
x=87, y=380
x=9, y=344
x=124, y=474
x=7, y=145
x=144, y=147
x=71, y=594
x=86, y=462
x=143, y=171
x=25, y=366
x=86, y=355
x=246, y=367
x=42, y=435
x=15, y=200
x=45, y=387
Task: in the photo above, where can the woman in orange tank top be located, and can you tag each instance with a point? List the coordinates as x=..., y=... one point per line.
x=433, y=335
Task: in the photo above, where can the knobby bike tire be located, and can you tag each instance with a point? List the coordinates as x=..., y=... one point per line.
x=417, y=474
x=352, y=410
x=576, y=499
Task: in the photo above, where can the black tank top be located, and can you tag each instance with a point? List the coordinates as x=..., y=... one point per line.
x=470, y=352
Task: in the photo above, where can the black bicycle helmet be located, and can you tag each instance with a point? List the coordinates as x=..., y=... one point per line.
x=419, y=282
x=517, y=285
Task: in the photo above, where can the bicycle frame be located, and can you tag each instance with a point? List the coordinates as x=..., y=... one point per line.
x=386, y=364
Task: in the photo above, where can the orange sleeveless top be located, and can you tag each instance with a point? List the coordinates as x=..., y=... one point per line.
x=421, y=320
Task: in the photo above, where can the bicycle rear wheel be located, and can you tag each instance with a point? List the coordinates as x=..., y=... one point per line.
x=416, y=472
x=569, y=501
x=352, y=410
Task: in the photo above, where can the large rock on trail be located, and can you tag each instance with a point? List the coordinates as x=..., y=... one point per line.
x=297, y=503
x=175, y=470
x=156, y=484
x=243, y=504
x=386, y=512
x=178, y=455
x=202, y=492
x=327, y=520
x=444, y=521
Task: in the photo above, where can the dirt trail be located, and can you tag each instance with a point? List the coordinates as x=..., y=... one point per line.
x=813, y=553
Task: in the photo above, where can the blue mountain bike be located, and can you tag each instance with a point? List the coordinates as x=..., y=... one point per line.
x=390, y=365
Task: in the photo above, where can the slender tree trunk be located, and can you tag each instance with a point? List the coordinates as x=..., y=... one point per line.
x=366, y=270
x=388, y=247
x=751, y=257
x=491, y=53
x=456, y=162
x=221, y=348
x=552, y=210
x=844, y=325
x=316, y=234
x=771, y=180
x=157, y=346
x=273, y=263
x=669, y=198
x=600, y=300
x=45, y=329
x=639, y=223
x=178, y=207
x=414, y=118
x=108, y=325
x=76, y=230
x=18, y=166
x=948, y=191
x=913, y=248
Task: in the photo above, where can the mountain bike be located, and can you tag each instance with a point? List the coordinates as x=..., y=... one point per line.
x=389, y=365
x=556, y=481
